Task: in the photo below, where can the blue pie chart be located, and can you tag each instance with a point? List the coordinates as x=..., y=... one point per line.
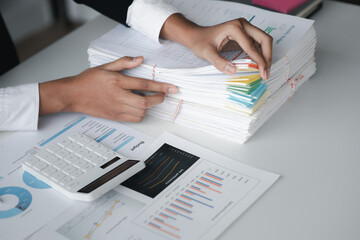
x=24, y=199
x=33, y=182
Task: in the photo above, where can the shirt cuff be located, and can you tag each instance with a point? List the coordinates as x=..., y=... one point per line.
x=148, y=17
x=19, y=107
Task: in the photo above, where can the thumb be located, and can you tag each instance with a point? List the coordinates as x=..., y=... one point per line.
x=123, y=63
x=219, y=62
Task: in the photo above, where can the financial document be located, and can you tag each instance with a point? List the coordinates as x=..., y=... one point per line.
x=30, y=203
x=185, y=192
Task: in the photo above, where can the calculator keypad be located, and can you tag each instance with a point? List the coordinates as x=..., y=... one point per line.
x=67, y=159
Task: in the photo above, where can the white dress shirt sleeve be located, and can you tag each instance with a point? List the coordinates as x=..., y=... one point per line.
x=19, y=107
x=148, y=16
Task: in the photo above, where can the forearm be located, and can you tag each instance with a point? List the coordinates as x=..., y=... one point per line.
x=179, y=29
x=55, y=96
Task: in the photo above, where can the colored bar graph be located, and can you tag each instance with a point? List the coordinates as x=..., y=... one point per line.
x=194, y=193
x=197, y=189
x=210, y=181
x=213, y=176
x=180, y=208
x=184, y=203
x=193, y=199
x=206, y=186
x=167, y=216
x=168, y=225
x=159, y=228
x=177, y=213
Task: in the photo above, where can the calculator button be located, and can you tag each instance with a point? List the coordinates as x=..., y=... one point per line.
x=98, y=161
x=68, y=169
x=91, y=157
x=87, y=167
x=62, y=153
x=71, y=158
x=65, y=180
x=40, y=165
x=73, y=147
x=92, y=146
x=75, y=136
x=109, y=155
x=53, y=148
x=57, y=176
x=63, y=142
x=81, y=152
x=49, y=171
x=46, y=156
x=76, y=173
x=102, y=150
x=31, y=160
x=79, y=163
x=60, y=164
x=83, y=140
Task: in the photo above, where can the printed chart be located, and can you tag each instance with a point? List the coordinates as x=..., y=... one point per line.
x=98, y=219
x=189, y=210
x=162, y=168
x=33, y=182
x=14, y=200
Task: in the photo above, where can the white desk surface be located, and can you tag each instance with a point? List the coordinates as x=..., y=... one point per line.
x=313, y=142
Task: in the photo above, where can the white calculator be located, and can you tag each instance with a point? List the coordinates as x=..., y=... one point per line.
x=80, y=167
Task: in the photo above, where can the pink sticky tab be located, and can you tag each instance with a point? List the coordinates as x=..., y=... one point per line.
x=284, y=6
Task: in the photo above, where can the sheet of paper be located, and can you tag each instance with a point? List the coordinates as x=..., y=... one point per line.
x=185, y=192
x=285, y=30
x=30, y=203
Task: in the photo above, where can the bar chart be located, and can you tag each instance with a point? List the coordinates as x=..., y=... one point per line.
x=205, y=194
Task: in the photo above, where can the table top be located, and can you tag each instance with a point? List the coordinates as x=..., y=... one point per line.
x=312, y=141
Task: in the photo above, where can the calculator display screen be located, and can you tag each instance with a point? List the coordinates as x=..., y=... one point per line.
x=108, y=176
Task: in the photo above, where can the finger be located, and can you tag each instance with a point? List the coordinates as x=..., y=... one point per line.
x=143, y=102
x=263, y=39
x=213, y=56
x=123, y=63
x=133, y=83
x=246, y=44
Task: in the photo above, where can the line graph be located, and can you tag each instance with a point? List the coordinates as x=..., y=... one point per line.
x=162, y=168
x=100, y=217
x=97, y=224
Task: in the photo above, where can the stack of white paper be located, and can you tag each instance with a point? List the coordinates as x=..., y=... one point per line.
x=235, y=106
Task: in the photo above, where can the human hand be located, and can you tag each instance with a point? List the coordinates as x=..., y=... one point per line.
x=103, y=92
x=208, y=42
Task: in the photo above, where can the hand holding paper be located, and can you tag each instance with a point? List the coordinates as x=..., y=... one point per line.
x=103, y=92
x=208, y=42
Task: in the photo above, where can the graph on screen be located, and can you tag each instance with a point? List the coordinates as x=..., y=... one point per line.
x=162, y=168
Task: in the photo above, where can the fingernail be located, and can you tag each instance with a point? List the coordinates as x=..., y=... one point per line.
x=172, y=90
x=230, y=69
x=264, y=73
x=135, y=59
x=268, y=72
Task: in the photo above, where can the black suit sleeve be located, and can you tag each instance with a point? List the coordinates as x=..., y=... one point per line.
x=114, y=9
